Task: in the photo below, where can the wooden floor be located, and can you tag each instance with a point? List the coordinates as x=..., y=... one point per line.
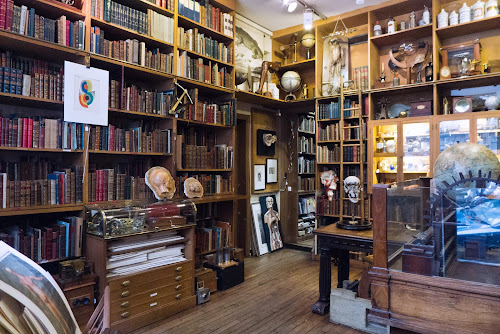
x=276, y=297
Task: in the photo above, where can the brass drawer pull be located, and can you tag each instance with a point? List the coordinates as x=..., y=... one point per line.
x=178, y=278
x=125, y=283
x=124, y=304
x=178, y=269
x=178, y=296
x=125, y=314
x=178, y=287
x=125, y=294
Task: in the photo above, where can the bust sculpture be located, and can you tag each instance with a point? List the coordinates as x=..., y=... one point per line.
x=161, y=182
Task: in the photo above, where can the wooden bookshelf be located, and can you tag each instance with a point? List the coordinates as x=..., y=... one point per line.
x=188, y=23
x=139, y=69
x=418, y=32
x=35, y=210
x=194, y=53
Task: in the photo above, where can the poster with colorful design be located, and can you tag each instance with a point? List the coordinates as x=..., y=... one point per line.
x=85, y=94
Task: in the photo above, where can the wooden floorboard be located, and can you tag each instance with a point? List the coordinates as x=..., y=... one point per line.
x=276, y=297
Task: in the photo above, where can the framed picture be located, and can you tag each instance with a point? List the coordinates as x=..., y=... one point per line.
x=259, y=177
x=271, y=170
x=258, y=230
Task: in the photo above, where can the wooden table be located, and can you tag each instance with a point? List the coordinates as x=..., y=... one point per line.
x=337, y=243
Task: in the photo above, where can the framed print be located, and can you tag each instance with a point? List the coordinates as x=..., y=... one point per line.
x=271, y=171
x=259, y=177
x=258, y=230
x=85, y=94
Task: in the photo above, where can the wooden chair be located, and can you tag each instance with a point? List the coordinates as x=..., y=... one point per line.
x=99, y=322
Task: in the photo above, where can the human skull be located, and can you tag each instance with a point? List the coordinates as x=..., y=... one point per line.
x=352, y=187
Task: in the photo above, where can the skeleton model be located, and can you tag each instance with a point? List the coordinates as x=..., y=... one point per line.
x=329, y=179
x=352, y=187
x=271, y=218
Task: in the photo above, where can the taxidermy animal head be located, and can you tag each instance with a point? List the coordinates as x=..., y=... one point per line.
x=269, y=139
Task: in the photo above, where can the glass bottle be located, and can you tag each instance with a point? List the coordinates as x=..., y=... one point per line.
x=426, y=16
x=413, y=20
x=377, y=29
x=429, y=71
x=396, y=80
x=380, y=145
x=391, y=26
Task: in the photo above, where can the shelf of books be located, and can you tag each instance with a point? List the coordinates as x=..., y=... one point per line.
x=147, y=46
x=306, y=183
x=341, y=148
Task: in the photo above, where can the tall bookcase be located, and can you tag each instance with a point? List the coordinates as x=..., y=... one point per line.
x=145, y=61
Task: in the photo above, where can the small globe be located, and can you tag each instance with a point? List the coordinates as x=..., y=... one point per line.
x=464, y=158
x=290, y=81
x=308, y=40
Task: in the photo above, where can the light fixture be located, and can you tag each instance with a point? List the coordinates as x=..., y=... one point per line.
x=292, y=6
x=285, y=2
x=308, y=19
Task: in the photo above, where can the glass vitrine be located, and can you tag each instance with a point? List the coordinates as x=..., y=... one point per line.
x=384, y=151
x=416, y=149
x=453, y=132
x=488, y=133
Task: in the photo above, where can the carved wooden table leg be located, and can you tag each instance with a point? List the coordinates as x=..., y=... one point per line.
x=322, y=306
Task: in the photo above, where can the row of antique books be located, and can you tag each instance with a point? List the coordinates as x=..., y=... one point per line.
x=130, y=50
x=135, y=139
x=307, y=123
x=326, y=207
x=203, y=12
x=214, y=184
x=203, y=70
x=352, y=104
x=40, y=132
x=213, y=237
x=306, y=165
x=354, y=131
x=201, y=157
x=306, y=183
x=328, y=110
x=223, y=113
x=43, y=242
x=328, y=153
x=24, y=21
x=58, y=187
x=307, y=145
x=329, y=132
x=352, y=154
x=134, y=98
x=307, y=205
x=30, y=77
x=150, y=23
x=107, y=185
x=193, y=40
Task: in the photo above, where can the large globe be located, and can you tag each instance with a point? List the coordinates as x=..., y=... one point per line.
x=290, y=81
x=464, y=158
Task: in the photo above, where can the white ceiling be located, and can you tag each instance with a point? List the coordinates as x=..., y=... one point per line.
x=273, y=14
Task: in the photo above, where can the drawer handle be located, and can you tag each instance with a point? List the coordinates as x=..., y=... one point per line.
x=125, y=314
x=178, y=296
x=178, y=269
x=125, y=283
x=178, y=287
x=124, y=304
x=178, y=278
x=125, y=294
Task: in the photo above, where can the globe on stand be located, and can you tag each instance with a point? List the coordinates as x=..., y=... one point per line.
x=308, y=42
x=290, y=82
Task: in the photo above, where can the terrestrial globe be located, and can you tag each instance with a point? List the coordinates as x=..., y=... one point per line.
x=290, y=82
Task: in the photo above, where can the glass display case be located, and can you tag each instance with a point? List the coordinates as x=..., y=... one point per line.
x=488, y=132
x=459, y=238
x=384, y=150
x=453, y=132
x=136, y=217
x=416, y=149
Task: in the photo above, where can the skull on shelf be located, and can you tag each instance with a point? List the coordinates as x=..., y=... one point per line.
x=352, y=187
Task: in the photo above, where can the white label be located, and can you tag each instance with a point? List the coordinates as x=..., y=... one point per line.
x=289, y=188
x=153, y=304
x=153, y=294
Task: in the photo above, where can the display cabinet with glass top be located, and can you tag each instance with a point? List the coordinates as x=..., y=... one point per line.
x=439, y=247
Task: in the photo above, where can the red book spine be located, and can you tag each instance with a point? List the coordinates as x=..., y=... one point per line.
x=25, y=132
x=60, y=184
x=48, y=244
x=30, y=132
x=3, y=12
x=68, y=28
x=55, y=245
x=9, y=14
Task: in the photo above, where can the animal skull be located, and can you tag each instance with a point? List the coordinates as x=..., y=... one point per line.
x=352, y=187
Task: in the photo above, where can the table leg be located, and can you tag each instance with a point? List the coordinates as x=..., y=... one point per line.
x=343, y=266
x=322, y=306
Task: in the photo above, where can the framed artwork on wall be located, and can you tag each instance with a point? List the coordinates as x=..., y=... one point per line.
x=271, y=170
x=259, y=177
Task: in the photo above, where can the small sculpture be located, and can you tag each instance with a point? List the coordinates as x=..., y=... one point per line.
x=161, y=182
x=352, y=187
x=329, y=179
x=269, y=139
x=193, y=188
x=382, y=104
x=492, y=102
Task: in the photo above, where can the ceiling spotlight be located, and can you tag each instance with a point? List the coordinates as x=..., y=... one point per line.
x=308, y=19
x=292, y=6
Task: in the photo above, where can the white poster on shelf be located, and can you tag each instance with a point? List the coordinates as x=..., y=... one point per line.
x=85, y=94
